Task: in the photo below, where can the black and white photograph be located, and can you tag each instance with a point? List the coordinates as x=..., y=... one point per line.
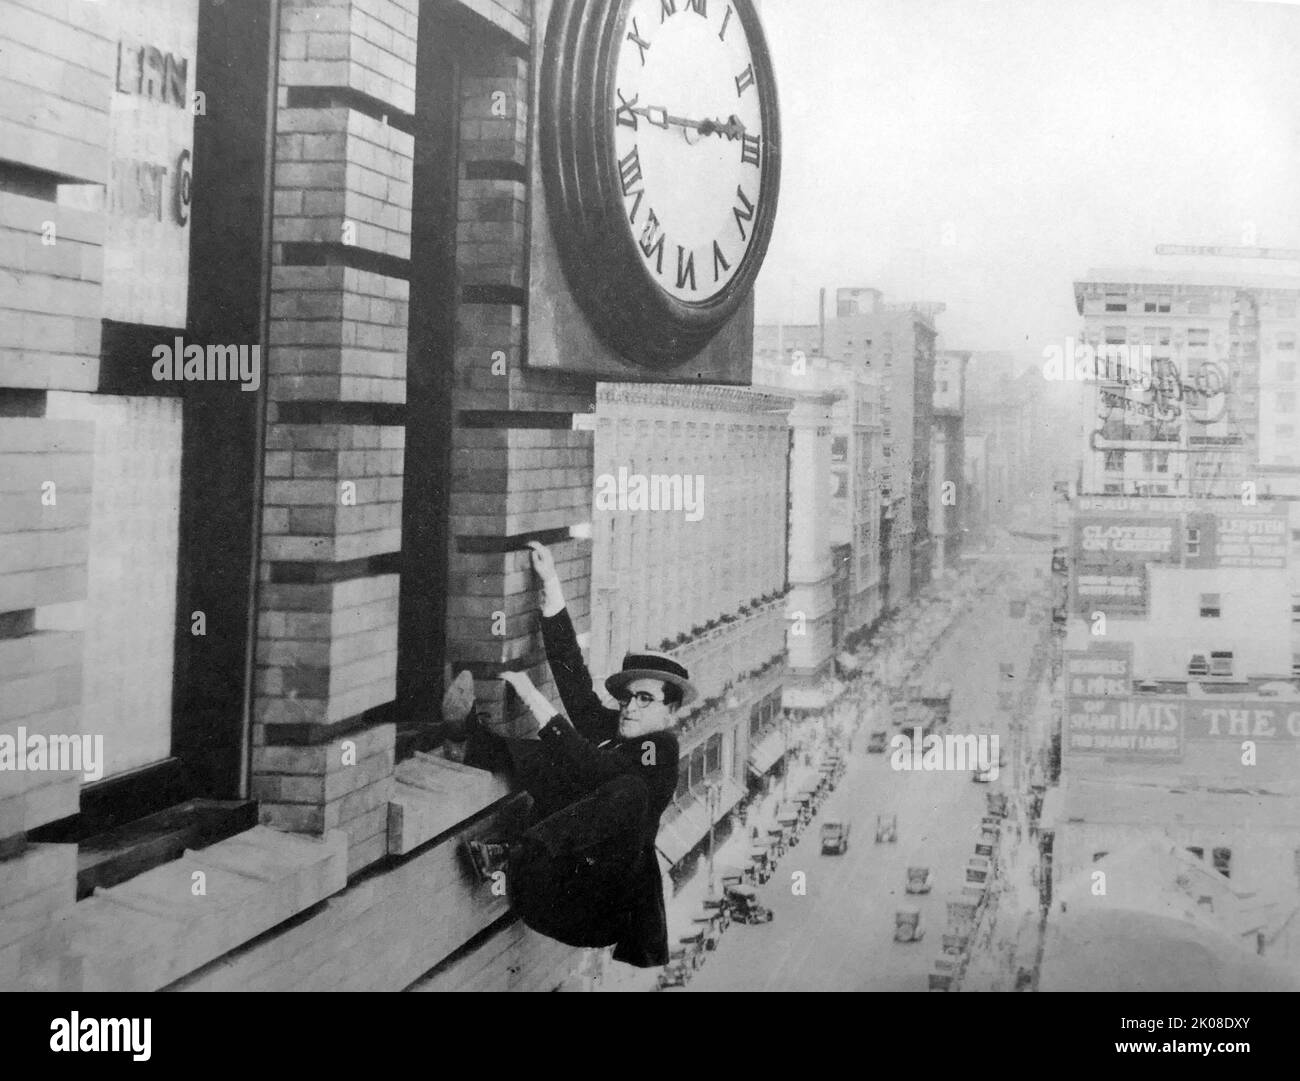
x=651, y=496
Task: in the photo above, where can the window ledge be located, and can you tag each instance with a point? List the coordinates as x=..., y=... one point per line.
x=433, y=796
x=154, y=929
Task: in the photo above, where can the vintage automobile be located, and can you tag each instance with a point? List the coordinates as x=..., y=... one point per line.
x=939, y=698
x=745, y=906
x=886, y=828
x=678, y=971
x=963, y=912
x=716, y=907
x=919, y=879
x=955, y=943
x=835, y=837
x=695, y=943
x=760, y=864
x=876, y=742
x=776, y=842
x=908, y=926
x=813, y=792
x=791, y=823
x=941, y=977
x=711, y=923
x=997, y=803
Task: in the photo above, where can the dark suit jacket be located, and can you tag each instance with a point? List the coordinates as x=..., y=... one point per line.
x=590, y=752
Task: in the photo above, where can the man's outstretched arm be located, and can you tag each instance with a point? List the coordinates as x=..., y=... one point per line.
x=589, y=715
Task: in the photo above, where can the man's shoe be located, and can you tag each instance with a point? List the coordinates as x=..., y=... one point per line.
x=487, y=858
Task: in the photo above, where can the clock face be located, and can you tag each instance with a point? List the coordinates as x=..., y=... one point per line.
x=687, y=121
x=659, y=144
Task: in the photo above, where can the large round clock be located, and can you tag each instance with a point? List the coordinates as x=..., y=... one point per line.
x=660, y=147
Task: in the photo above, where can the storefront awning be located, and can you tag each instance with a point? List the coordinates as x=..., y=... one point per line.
x=689, y=826
x=766, y=754
x=672, y=842
x=731, y=794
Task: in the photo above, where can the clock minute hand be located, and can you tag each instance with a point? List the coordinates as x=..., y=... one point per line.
x=660, y=117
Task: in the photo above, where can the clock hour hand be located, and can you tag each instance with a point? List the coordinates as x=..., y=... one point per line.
x=660, y=117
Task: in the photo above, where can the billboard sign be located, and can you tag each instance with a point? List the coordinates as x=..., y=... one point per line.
x=1253, y=541
x=1100, y=672
x=1147, y=727
x=1111, y=552
x=1125, y=727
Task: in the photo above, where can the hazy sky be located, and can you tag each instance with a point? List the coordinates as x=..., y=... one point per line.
x=985, y=153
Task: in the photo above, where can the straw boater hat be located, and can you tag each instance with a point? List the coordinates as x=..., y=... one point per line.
x=651, y=665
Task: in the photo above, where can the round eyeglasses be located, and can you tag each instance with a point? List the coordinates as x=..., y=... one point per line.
x=642, y=699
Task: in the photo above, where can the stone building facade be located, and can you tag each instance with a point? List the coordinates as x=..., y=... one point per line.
x=703, y=576
x=251, y=587
x=1221, y=351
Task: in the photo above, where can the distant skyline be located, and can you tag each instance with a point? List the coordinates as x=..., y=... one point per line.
x=987, y=153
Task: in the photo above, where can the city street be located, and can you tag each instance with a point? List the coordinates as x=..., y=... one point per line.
x=839, y=935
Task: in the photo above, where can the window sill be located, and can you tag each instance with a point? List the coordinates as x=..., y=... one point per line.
x=154, y=929
x=434, y=796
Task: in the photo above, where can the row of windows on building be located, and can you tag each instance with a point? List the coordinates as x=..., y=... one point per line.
x=703, y=764
x=763, y=714
x=1219, y=664
x=1115, y=461
x=1194, y=337
x=1162, y=304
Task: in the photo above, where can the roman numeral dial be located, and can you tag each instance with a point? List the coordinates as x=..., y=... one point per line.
x=687, y=125
x=659, y=148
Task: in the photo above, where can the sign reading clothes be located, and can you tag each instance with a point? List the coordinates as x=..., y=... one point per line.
x=1111, y=552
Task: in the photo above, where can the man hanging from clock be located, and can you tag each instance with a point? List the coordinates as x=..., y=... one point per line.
x=586, y=873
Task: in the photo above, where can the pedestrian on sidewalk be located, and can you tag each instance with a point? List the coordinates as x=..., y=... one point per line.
x=585, y=872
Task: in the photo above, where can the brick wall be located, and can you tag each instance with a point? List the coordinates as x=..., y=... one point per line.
x=518, y=467
x=328, y=614
x=53, y=120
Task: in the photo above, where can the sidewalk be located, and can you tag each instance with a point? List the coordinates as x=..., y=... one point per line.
x=1008, y=942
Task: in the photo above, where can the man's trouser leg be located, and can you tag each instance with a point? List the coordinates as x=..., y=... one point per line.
x=571, y=875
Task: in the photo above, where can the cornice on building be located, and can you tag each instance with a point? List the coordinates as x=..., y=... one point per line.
x=705, y=397
x=1218, y=285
